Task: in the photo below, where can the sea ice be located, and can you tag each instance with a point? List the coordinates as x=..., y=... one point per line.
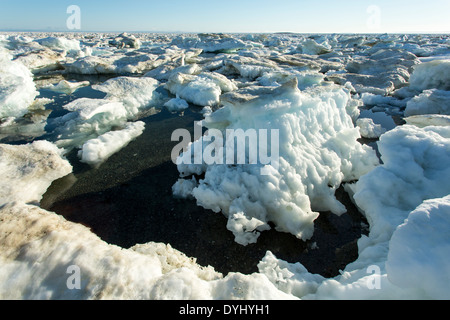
x=28, y=170
x=66, y=87
x=419, y=250
x=96, y=151
x=369, y=129
x=432, y=101
x=318, y=151
x=428, y=120
x=88, y=119
x=203, y=89
x=249, y=81
x=17, y=89
x=176, y=104
x=407, y=241
x=135, y=93
x=431, y=75
x=71, y=46
x=42, y=60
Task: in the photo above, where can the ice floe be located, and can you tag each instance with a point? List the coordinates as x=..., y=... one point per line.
x=17, y=89
x=318, y=150
x=97, y=150
x=28, y=170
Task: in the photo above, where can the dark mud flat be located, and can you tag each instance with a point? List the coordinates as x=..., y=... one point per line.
x=128, y=200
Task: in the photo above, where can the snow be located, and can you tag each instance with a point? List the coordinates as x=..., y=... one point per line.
x=176, y=104
x=321, y=92
x=428, y=120
x=318, y=151
x=17, y=89
x=203, y=89
x=135, y=93
x=431, y=75
x=28, y=170
x=421, y=246
x=369, y=129
x=96, y=151
x=67, y=87
x=432, y=101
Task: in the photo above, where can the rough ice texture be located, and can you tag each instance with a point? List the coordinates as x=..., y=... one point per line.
x=369, y=129
x=126, y=98
x=405, y=254
x=419, y=250
x=176, y=104
x=29, y=235
x=60, y=43
x=134, y=93
x=38, y=246
x=66, y=87
x=318, y=151
x=203, y=89
x=88, y=119
x=432, y=74
x=28, y=170
x=431, y=101
x=98, y=150
x=428, y=120
x=17, y=89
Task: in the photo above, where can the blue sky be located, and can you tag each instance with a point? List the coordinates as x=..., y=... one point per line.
x=326, y=16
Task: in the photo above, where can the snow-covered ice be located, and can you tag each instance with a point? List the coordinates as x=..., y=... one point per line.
x=66, y=87
x=176, y=104
x=318, y=150
x=432, y=101
x=431, y=75
x=17, y=89
x=321, y=92
x=97, y=150
x=28, y=170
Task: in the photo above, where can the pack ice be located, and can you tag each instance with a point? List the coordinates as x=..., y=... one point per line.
x=318, y=151
x=323, y=93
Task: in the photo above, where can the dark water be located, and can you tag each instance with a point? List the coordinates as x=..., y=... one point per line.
x=128, y=200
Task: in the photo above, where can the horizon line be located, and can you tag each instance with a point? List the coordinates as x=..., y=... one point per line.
x=221, y=32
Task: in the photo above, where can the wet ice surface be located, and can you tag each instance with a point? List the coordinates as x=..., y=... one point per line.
x=331, y=96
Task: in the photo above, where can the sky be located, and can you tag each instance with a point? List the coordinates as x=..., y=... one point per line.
x=229, y=16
